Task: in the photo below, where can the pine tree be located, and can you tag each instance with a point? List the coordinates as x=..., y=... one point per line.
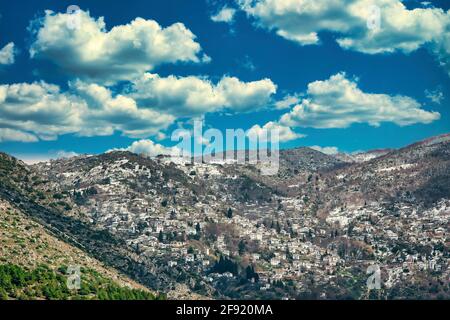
x=230, y=213
x=241, y=247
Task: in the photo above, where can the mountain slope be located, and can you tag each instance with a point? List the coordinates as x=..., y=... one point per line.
x=31, y=194
x=223, y=230
x=27, y=247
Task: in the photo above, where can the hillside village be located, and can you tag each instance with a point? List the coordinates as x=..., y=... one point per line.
x=222, y=230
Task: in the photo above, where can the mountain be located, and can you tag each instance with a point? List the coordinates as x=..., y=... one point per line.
x=34, y=262
x=223, y=230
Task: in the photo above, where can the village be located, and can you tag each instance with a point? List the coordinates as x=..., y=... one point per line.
x=279, y=239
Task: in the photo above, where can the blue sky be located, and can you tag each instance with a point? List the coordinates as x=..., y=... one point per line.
x=90, y=95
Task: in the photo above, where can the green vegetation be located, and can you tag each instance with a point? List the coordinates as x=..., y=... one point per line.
x=225, y=265
x=45, y=283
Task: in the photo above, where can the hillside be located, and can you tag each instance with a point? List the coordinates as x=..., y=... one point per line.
x=223, y=230
x=36, y=263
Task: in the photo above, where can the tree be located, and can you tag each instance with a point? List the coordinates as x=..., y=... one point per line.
x=241, y=247
x=251, y=274
x=225, y=265
x=161, y=236
x=230, y=213
x=198, y=228
x=44, y=282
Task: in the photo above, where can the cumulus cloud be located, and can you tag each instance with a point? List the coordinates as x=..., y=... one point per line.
x=285, y=133
x=338, y=103
x=82, y=47
x=192, y=96
x=148, y=107
x=287, y=102
x=86, y=110
x=225, y=14
x=356, y=24
x=326, y=150
x=147, y=147
x=39, y=108
x=7, y=54
x=245, y=96
x=107, y=113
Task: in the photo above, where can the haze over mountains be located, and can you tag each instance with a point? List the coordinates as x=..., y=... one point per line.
x=224, y=230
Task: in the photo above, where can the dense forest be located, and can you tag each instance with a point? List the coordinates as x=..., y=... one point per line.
x=44, y=283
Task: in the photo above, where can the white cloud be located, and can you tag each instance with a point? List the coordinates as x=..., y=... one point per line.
x=147, y=147
x=285, y=133
x=7, y=134
x=192, y=96
x=65, y=154
x=287, y=102
x=107, y=113
x=148, y=107
x=225, y=14
x=442, y=49
x=39, y=108
x=435, y=96
x=7, y=54
x=353, y=20
x=338, y=103
x=326, y=150
x=245, y=96
x=247, y=63
x=31, y=159
x=86, y=49
x=86, y=109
